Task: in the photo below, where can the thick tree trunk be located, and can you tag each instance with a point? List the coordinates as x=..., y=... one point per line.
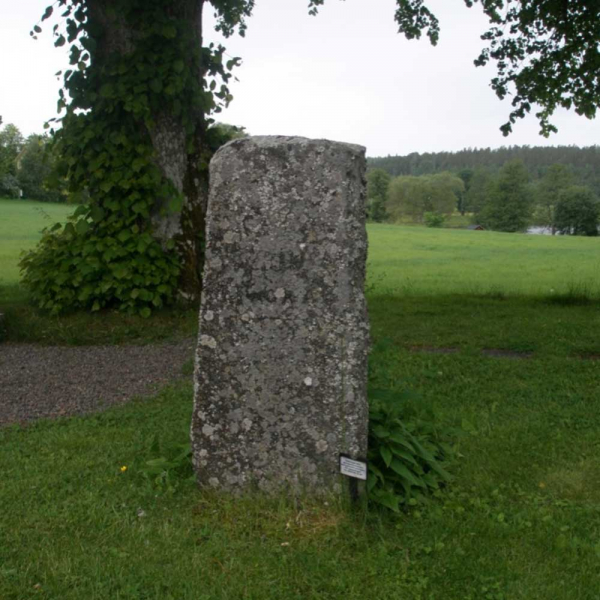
x=185, y=226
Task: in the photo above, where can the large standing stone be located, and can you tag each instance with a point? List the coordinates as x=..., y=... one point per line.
x=281, y=366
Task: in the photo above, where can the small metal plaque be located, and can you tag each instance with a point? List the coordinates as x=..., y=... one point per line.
x=353, y=468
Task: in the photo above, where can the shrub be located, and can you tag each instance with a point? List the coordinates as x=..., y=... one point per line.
x=80, y=266
x=406, y=452
x=433, y=219
x=35, y=168
x=577, y=212
x=9, y=186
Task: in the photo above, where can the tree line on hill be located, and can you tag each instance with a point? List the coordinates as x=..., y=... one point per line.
x=502, y=200
x=584, y=163
x=26, y=165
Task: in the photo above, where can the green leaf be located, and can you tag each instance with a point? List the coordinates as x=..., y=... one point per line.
x=107, y=90
x=106, y=185
x=138, y=164
x=169, y=31
x=69, y=229
x=82, y=227
x=145, y=312
x=386, y=454
x=423, y=453
x=380, y=432
x=407, y=456
x=176, y=204
x=440, y=471
x=61, y=41
x=404, y=472
x=400, y=438
x=387, y=499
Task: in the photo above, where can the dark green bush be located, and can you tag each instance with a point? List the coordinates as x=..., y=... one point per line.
x=90, y=266
x=433, y=219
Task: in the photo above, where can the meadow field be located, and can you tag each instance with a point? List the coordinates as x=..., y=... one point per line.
x=497, y=337
x=21, y=223
x=421, y=261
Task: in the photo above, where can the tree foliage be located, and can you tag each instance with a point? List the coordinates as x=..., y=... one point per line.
x=577, y=212
x=546, y=52
x=547, y=194
x=467, y=177
x=583, y=163
x=135, y=139
x=378, y=182
x=410, y=198
x=11, y=143
x=138, y=72
x=547, y=55
x=509, y=205
x=479, y=192
x=34, y=168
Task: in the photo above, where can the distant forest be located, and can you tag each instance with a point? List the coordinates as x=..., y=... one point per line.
x=583, y=162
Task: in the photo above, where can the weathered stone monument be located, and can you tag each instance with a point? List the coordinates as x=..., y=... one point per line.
x=281, y=365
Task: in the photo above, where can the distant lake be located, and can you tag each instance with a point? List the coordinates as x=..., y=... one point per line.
x=540, y=231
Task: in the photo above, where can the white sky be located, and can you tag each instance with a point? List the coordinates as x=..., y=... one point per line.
x=345, y=75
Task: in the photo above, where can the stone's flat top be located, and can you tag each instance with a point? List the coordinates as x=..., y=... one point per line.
x=275, y=141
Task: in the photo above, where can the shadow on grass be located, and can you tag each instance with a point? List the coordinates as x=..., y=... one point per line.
x=23, y=323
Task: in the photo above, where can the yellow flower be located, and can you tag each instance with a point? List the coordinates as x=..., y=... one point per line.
x=123, y=468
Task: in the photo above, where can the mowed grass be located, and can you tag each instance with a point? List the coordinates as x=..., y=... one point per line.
x=521, y=520
x=21, y=224
x=422, y=261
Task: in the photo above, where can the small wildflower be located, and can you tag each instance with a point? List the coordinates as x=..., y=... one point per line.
x=123, y=468
x=542, y=485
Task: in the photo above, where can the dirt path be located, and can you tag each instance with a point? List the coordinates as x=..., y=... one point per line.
x=42, y=381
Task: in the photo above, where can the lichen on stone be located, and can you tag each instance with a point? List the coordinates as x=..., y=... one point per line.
x=280, y=377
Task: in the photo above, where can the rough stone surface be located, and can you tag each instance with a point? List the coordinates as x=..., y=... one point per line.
x=281, y=363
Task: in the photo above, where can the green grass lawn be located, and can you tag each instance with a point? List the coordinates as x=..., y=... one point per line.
x=21, y=223
x=422, y=261
x=521, y=520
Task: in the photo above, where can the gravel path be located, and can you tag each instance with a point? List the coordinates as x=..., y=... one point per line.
x=41, y=381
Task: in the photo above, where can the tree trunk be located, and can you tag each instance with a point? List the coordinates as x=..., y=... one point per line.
x=185, y=227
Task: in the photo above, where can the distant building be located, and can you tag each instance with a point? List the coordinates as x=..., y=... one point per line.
x=476, y=227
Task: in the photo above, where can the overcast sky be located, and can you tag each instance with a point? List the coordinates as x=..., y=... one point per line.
x=345, y=75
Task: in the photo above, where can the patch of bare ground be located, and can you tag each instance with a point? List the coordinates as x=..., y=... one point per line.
x=434, y=350
x=504, y=353
x=48, y=382
x=493, y=352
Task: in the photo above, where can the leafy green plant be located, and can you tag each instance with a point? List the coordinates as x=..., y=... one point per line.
x=112, y=108
x=433, y=219
x=90, y=266
x=406, y=451
x=171, y=466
